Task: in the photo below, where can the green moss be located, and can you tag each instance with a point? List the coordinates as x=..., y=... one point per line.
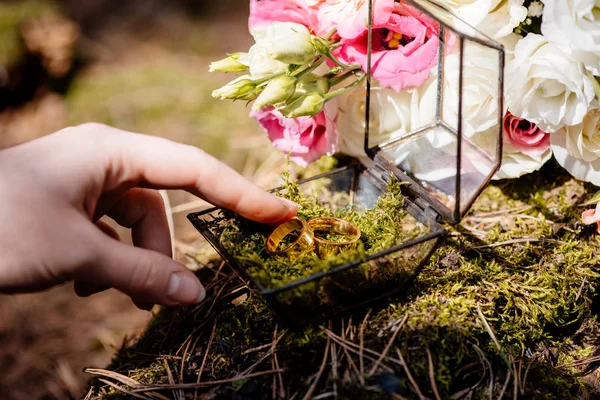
x=382, y=227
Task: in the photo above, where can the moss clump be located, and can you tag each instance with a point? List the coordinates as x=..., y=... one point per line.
x=383, y=226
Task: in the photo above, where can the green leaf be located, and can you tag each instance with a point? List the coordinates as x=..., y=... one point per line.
x=594, y=200
x=595, y=84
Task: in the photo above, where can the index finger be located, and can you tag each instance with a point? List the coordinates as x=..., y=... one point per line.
x=161, y=163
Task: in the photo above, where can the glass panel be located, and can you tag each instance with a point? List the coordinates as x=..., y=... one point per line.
x=417, y=120
x=355, y=286
x=429, y=158
x=318, y=282
x=435, y=8
x=481, y=119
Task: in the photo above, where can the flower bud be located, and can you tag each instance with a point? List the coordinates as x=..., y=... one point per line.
x=229, y=64
x=278, y=90
x=242, y=88
x=321, y=45
x=306, y=106
x=312, y=83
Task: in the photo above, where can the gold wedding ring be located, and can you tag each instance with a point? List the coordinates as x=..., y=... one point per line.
x=302, y=243
x=312, y=234
x=348, y=232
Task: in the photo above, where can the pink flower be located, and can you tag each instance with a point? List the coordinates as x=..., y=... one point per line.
x=590, y=217
x=405, y=47
x=350, y=17
x=525, y=136
x=265, y=12
x=306, y=139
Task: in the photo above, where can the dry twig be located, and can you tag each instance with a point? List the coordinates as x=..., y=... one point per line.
x=142, y=388
x=389, y=345
x=313, y=387
x=409, y=376
x=123, y=390
x=210, y=340
x=432, y=374
x=361, y=377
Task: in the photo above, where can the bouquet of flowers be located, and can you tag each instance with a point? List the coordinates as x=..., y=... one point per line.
x=306, y=71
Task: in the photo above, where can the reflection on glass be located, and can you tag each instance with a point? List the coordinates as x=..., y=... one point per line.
x=444, y=132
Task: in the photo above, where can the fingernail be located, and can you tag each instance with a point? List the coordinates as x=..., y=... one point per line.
x=202, y=294
x=185, y=288
x=289, y=203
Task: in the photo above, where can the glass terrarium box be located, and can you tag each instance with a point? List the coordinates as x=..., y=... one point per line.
x=392, y=204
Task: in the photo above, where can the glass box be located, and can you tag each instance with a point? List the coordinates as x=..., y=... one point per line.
x=445, y=157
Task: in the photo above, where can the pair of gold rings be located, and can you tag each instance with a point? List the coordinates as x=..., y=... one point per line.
x=306, y=236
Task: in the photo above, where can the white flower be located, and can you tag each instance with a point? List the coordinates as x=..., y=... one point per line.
x=495, y=18
x=471, y=11
x=572, y=23
x=535, y=9
x=277, y=46
x=390, y=118
x=516, y=164
x=577, y=148
x=260, y=63
x=509, y=42
x=481, y=66
x=505, y=16
x=547, y=85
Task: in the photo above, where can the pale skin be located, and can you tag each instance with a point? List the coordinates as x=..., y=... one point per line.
x=54, y=190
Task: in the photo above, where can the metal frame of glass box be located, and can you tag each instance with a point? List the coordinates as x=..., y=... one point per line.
x=423, y=204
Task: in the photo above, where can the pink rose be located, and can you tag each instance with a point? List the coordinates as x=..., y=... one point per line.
x=350, y=18
x=306, y=139
x=405, y=48
x=590, y=217
x=525, y=136
x=265, y=12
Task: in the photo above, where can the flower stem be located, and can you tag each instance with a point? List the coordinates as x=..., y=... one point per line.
x=339, y=92
x=330, y=34
x=340, y=78
x=338, y=62
x=310, y=68
x=267, y=78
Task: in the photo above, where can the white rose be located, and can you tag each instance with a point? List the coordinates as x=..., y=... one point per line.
x=390, y=118
x=471, y=11
x=573, y=23
x=509, y=42
x=481, y=67
x=495, y=18
x=503, y=18
x=547, y=85
x=577, y=148
x=514, y=162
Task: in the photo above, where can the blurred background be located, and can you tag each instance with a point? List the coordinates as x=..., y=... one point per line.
x=139, y=65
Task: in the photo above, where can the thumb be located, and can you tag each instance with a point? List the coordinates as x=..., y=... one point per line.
x=145, y=275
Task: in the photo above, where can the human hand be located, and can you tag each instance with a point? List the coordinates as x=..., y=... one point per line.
x=54, y=190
